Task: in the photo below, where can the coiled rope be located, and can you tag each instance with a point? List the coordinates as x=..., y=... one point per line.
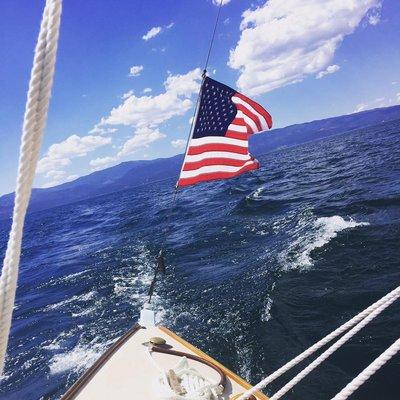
x=356, y=323
x=32, y=132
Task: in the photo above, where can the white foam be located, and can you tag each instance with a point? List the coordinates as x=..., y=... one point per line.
x=85, y=311
x=266, y=313
x=79, y=358
x=72, y=276
x=256, y=193
x=245, y=359
x=57, y=343
x=313, y=236
x=74, y=299
x=131, y=285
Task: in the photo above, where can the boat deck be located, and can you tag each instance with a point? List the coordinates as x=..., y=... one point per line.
x=126, y=371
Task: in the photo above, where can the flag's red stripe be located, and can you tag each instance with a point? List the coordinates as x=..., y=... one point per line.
x=236, y=135
x=230, y=148
x=212, y=176
x=241, y=122
x=258, y=108
x=190, y=166
x=253, y=117
x=238, y=121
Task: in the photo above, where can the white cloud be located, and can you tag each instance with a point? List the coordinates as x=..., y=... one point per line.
x=154, y=110
x=55, y=175
x=146, y=113
x=284, y=41
x=153, y=32
x=47, y=164
x=148, y=110
x=60, y=154
x=100, y=130
x=184, y=85
x=58, y=177
x=147, y=90
x=374, y=18
x=127, y=94
x=329, y=70
x=102, y=162
x=379, y=102
x=143, y=113
x=156, y=30
x=71, y=178
x=135, y=70
x=360, y=107
x=217, y=2
x=76, y=146
x=142, y=138
x=178, y=143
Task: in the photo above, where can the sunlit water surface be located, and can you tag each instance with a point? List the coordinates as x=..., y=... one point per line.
x=259, y=268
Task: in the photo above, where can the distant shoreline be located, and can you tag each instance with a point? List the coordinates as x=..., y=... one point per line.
x=132, y=174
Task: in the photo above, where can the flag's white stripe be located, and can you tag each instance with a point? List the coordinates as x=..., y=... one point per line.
x=213, y=168
x=262, y=120
x=217, y=140
x=217, y=154
x=237, y=128
x=248, y=120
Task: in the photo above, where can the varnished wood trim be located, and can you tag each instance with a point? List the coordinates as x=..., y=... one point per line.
x=74, y=390
x=232, y=375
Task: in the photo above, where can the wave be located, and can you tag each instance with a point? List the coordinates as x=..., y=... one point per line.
x=79, y=358
x=256, y=194
x=84, y=281
x=312, y=236
x=266, y=312
x=72, y=300
x=129, y=285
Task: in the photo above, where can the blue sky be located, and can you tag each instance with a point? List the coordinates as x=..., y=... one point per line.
x=302, y=60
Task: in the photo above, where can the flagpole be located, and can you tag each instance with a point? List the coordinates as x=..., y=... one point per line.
x=160, y=261
x=203, y=75
x=212, y=38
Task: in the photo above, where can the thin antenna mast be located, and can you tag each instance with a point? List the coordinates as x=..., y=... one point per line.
x=160, y=261
x=212, y=38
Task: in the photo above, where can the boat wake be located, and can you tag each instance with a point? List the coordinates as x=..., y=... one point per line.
x=312, y=235
x=79, y=358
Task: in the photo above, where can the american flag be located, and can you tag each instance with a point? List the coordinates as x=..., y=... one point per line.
x=218, y=147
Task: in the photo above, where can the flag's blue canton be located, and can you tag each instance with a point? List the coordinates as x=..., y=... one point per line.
x=216, y=111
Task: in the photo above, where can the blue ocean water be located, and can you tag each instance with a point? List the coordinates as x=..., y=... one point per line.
x=259, y=267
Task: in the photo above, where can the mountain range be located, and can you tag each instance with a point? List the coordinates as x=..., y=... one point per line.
x=135, y=173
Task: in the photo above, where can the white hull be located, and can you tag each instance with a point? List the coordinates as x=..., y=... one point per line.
x=127, y=371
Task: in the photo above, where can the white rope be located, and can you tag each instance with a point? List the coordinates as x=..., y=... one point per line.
x=32, y=132
x=369, y=371
x=393, y=295
x=196, y=386
x=332, y=349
